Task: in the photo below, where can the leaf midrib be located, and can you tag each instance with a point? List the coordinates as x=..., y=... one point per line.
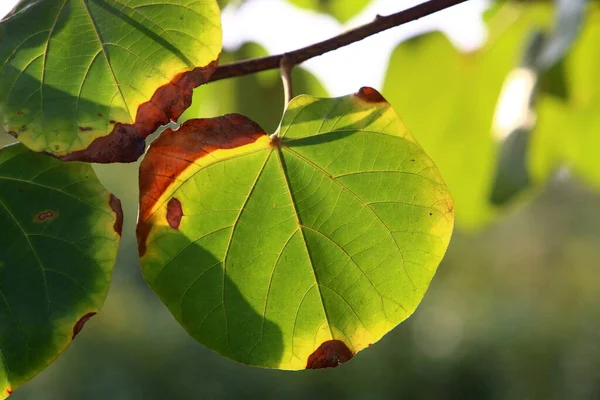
x=299, y=224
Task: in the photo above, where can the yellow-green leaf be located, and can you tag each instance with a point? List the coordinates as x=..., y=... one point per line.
x=90, y=79
x=295, y=251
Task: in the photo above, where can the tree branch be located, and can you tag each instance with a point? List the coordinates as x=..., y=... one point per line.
x=380, y=24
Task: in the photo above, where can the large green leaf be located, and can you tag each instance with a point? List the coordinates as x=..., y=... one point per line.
x=342, y=10
x=105, y=73
x=296, y=251
x=59, y=236
x=448, y=99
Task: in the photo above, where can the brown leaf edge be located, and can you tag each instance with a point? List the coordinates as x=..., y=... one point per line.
x=329, y=354
x=126, y=142
x=174, y=151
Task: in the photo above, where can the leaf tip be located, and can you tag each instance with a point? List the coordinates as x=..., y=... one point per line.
x=82, y=321
x=330, y=354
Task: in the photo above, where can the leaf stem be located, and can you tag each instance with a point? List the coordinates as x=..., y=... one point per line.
x=286, y=77
x=379, y=24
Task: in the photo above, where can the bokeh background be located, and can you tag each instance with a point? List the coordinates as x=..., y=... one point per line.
x=514, y=310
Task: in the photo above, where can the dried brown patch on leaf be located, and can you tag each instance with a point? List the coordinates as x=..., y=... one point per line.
x=174, y=151
x=174, y=213
x=330, y=354
x=115, y=205
x=126, y=142
x=370, y=95
x=79, y=325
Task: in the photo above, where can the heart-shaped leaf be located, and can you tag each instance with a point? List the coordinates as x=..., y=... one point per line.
x=90, y=79
x=59, y=236
x=296, y=251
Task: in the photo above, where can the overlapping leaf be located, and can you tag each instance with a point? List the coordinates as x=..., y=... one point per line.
x=59, y=234
x=298, y=251
x=448, y=100
x=90, y=79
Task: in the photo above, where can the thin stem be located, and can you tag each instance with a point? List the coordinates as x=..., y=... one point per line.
x=286, y=77
x=380, y=24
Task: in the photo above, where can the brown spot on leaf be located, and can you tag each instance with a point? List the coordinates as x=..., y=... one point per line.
x=19, y=112
x=79, y=325
x=85, y=128
x=13, y=134
x=45, y=216
x=370, y=95
x=99, y=114
x=174, y=151
x=115, y=205
x=126, y=142
x=174, y=213
x=9, y=391
x=329, y=355
x=112, y=122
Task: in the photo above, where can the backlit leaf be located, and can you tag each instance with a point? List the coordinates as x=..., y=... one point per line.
x=90, y=79
x=299, y=251
x=59, y=234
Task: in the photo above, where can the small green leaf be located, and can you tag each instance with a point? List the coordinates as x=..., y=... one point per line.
x=90, y=79
x=297, y=251
x=342, y=10
x=59, y=236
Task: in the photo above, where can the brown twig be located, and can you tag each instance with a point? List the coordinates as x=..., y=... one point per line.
x=380, y=24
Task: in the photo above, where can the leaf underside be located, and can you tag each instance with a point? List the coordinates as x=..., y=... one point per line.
x=295, y=252
x=90, y=79
x=59, y=236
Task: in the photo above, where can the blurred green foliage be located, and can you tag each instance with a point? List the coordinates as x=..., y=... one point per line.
x=342, y=10
x=567, y=134
x=448, y=98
